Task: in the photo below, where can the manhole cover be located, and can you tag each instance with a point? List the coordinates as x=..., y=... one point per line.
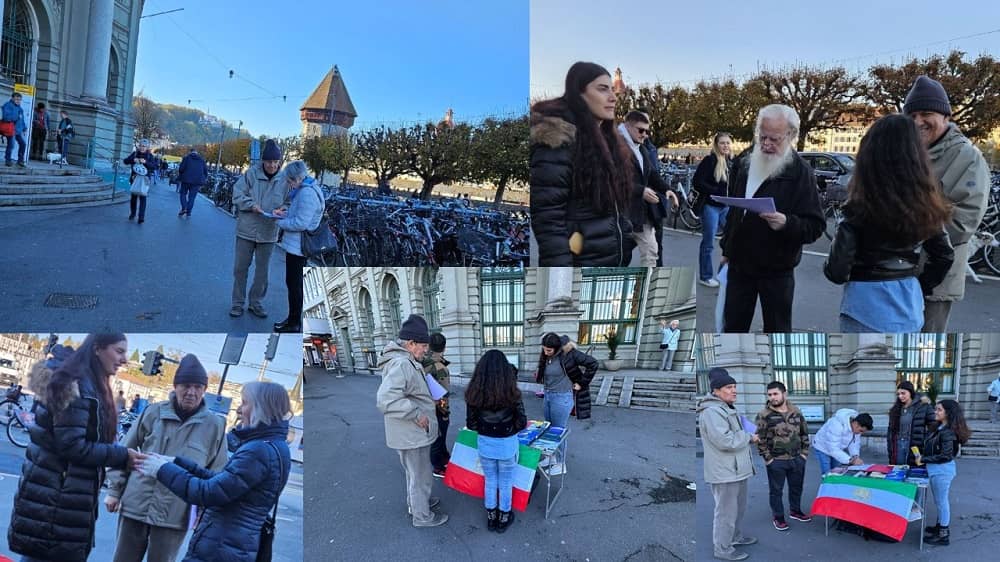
x=66, y=300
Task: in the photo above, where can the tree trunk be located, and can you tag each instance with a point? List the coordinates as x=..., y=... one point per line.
x=801, y=144
x=425, y=193
x=501, y=186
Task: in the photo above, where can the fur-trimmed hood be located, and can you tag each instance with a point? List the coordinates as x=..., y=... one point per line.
x=552, y=124
x=55, y=391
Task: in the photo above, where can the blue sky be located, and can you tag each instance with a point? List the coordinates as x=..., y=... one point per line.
x=402, y=60
x=283, y=370
x=681, y=42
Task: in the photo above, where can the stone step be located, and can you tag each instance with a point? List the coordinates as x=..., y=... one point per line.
x=972, y=451
x=666, y=386
x=655, y=403
x=47, y=180
x=665, y=395
x=42, y=170
x=49, y=199
x=95, y=184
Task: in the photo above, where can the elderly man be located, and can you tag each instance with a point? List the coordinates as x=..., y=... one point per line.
x=965, y=180
x=763, y=249
x=410, y=422
x=152, y=520
x=261, y=190
x=727, y=463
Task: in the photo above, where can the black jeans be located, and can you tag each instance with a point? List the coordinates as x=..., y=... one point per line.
x=439, y=449
x=794, y=470
x=776, y=294
x=293, y=280
x=141, y=200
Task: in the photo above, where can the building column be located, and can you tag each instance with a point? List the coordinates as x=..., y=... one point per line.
x=98, y=57
x=560, y=314
x=866, y=382
x=746, y=358
x=457, y=322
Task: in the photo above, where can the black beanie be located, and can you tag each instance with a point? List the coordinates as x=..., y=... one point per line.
x=190, y=371
x=908, y=386
x=927, y=94
x=271, y=151
x=719, y=377
x=438, y=342
x=415, y=329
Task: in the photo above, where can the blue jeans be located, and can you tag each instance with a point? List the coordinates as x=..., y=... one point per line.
x=20, y=147
x=557, y=406
x=848, y=325
x=713, y=219
x=499, y=475
x=826, y=462
x=64, y=148
x=941, y=476
x=188, y=194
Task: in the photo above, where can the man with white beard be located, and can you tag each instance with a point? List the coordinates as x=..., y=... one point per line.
x=763, y=249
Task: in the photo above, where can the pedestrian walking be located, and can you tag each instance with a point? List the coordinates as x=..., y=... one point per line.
x=192, y=173
x=12, y=127
x=938, y=453
x=305, y=213
x=879, y=261
x=712, y=178
x=838, y=441
x=73, y=440
x=65, y=135
x=260, y=190
x=993, y=395
x=436, y=365
x=727, y=464
x=669, y=339
x=120, y=401
x=783, y=443
x=150, y=521
x=240, y=499
x=40, y=126
x=910, y=419
x=410, y=423
x=580, y=179
x=143, y=163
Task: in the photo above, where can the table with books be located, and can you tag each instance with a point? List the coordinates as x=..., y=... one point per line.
x=550, y=442
x=882, y=498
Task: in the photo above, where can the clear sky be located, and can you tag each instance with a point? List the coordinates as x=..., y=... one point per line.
x=682, y=42
x=283, y=370
x=401, y=60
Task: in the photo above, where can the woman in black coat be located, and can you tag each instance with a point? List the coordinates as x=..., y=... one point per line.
x=909, y=420
x=72, y=441
x=712, y=178
x=580, y=175
x=938, y=453
x=560, y=358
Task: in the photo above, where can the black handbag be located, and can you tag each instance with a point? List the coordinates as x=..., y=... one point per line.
x=264, y=549
x=320, y=240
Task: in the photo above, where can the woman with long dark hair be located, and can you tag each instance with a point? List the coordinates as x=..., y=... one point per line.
x=493, y=407
x=895, y=211
x=581, y=175
x=909, y=421
x=72, y=442
x=566, y=373
x=938, y=452
x=712, y=178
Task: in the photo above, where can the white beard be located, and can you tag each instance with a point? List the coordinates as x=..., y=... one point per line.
x=766, y=166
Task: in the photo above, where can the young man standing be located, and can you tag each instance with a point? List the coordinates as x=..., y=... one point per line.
x=784, y=445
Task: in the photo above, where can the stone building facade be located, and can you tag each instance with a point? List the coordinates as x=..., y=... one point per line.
x=360, y=310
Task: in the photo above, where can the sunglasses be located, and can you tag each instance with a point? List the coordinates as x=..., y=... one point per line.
x=644, y=131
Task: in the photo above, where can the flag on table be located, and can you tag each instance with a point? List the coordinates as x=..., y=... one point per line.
x=880, y=505
x=465, y=473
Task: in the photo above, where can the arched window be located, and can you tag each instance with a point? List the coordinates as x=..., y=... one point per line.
x=15, y=49
x=367, y=315
x=395, y=305
x=112, y=93
x=432, y=294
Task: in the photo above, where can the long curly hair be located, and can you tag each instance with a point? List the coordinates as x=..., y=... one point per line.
x=494, y=383
x=602, y=166
x=956, y=420
x=893, y=190
x=84, y=364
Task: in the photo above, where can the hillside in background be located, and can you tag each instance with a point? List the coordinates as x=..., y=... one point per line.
x=179, y=124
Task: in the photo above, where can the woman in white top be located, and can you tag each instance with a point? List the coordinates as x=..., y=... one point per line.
x=671, y=337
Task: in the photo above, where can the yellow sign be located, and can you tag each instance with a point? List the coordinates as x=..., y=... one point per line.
x=25, y=89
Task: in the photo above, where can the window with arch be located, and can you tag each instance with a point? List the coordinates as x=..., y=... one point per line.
x=112, y=91
x=367, y=313
x=395, y=304
x=18, y=39
x=432, y=296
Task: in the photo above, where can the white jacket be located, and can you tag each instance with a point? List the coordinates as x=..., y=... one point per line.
x=994, y=388
x=836, y=436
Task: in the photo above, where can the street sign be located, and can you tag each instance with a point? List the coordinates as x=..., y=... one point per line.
x=232, y=350
x=254, y=150
x=27, y=92
x=219, y=405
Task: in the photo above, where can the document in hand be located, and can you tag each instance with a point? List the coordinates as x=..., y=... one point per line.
x=748, y=426
x=754, y=205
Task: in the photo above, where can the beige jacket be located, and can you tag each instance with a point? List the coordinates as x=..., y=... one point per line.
x=402, y=397
x=726, y=444
x=201, y=438
x=253, y=188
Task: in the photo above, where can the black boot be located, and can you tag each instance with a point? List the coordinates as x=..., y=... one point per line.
x=492, y=517
x=931, y=531
x=506, y=518
x=942, y=537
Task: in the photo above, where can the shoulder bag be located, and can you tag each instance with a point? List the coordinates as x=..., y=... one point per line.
x=264, y=549
x=320, y=240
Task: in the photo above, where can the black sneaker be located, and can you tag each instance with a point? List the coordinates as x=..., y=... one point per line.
x=439, y=473
x=779, y=524
x=799, y=516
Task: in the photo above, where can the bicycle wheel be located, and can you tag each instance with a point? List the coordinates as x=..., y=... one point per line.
x=7, y=409
x=991, y=255
x=17, y=432
x=687, y=215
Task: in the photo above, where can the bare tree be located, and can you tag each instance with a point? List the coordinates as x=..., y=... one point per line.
x=147, y=118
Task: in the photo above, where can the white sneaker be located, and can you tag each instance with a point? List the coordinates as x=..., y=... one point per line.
x=710, y=283
x=556, y=469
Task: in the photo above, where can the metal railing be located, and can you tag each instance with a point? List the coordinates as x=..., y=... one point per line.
x=118, y=175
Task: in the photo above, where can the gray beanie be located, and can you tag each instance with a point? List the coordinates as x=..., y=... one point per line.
x=190, y=371
x=927, y=94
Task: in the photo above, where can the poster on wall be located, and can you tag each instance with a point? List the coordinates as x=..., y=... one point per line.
x=27, y=92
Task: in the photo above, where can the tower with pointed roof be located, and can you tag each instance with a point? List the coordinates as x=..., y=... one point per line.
x=329, y=110
x=618, y=86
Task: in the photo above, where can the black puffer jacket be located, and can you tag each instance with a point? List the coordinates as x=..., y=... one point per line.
x=56, y=505
x=704, y=181
x=580, y=368
x=496, y=423
x=864, y=254
x=923, y=419
x=940, y=446
x=555, y=216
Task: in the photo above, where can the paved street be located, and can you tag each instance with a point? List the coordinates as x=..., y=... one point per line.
x=169, y=274
x=617, y=503
x=287, y=539
x=975, y=521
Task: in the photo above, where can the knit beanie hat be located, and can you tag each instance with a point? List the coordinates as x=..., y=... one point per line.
x=927, y=94
x=719, y=377
x=190, y=371
x=271, y=151
x=415, y=329
x=438, y=343
x=908, y=386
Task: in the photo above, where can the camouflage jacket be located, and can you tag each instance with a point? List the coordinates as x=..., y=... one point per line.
x=436, y=365
x=782, y=435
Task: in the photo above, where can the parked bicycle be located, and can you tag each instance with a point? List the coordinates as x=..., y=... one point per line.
x=986, y=240
x=11, y=404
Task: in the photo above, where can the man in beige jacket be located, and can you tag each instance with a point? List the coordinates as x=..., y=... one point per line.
x=410, y=423
x=152, y=520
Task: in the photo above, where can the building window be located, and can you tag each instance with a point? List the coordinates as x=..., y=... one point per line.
x=611, y=299
x=704, y=360
x=16, y=46
x=502, y=306
x=432, y=295
x=926, y=359
x=367, y=315
x=395, y=304
x=799, y=362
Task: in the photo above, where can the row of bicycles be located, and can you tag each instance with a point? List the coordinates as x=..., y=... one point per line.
x=17, y=415
x=984, y=250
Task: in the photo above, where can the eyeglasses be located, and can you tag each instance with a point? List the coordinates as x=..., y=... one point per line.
x=642, y=131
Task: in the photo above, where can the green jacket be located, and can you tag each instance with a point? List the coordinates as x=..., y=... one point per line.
x=201, y=438
x=782, y=435
x=437, y=366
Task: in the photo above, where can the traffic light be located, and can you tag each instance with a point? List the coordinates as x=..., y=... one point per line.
x=157, y=363
x=272, y=347
x=152, y=363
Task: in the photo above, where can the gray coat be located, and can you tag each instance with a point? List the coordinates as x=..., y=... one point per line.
x=965, y=180
x=402, y=397
x=727, y=446
x=305, y=213
x=253, y=188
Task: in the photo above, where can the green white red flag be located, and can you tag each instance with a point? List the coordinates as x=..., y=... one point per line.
x=465, y=473
x=881, y=505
